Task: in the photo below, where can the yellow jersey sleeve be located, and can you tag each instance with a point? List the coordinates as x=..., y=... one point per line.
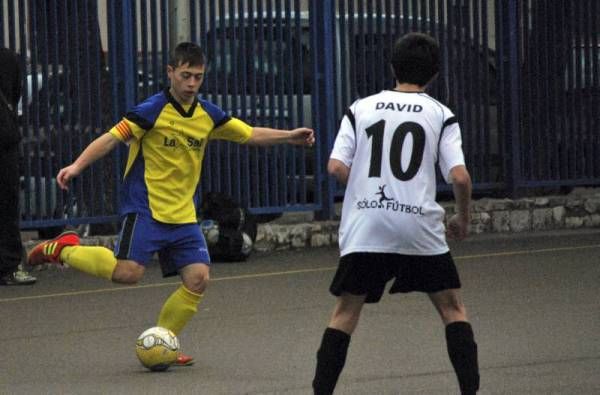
x=233, y=130
x=125, y=130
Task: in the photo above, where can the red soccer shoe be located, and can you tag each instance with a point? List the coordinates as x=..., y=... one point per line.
x=49, y=251
x=183, y=360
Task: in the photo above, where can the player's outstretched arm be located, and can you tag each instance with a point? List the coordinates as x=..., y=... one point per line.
x=268, y=136
x=96, y=150
x=458, y=224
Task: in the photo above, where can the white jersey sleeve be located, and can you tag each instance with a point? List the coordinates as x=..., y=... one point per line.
x=345, y=142
x=450, y=149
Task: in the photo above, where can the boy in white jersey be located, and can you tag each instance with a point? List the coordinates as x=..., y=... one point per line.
x=386, y=153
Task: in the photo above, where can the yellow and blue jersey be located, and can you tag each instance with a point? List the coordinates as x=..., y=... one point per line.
x=166, y=147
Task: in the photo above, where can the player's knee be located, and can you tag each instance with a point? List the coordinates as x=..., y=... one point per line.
x=345, y=320
x=345, y=315
x=197, y=283
x=128, y=273
x=453, y=311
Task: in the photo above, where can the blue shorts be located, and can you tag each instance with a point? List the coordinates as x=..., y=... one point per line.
x=177, y=245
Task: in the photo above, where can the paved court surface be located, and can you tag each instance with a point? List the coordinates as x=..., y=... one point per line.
x=533, y=301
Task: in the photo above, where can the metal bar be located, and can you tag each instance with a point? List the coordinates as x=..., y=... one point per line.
x=541, y=164
x=466, y=64
x=414, y=12
x=322, y=40
x=143, y=38
x=528, y=106
x=55, y=107
x=486, y=132
x=578, y=96
x=290, y=78
x=271, y=152
x=300, y=154
x=479, y=63
x=254, y=151
x=87, y=132
x=390, y=35
x=37, y=171
x=76, y=125
x=234, y=45
x=2, y=28
x=570, y=137
x=113, y=55
x=98, y=92
x=379, y=69
x=555, y=84
x=344, y=67
x=370, y=77
x=244, y=90
x=281, y=36
x=11, y=27
x=358, y=40
x=406, y=16
x=351, y=60
x=154, y=44
x=212, y=34
x=513, y=96
x=36, y=224
x=224, y=170
x=595, y=84
x=588, y=90
x=444, y=85
x=45, y=142
x=263, y=102
x=164, y=48
x=193, y=22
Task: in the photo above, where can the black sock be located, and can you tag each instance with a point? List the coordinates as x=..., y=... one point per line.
x=463, y=355
x=331, y=358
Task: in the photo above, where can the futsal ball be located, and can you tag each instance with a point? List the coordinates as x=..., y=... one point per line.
x=210, y=229
x=157, y=348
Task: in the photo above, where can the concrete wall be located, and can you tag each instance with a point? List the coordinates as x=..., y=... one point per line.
x=579, y=209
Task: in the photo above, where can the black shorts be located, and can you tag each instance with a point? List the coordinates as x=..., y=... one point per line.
x=367, y=273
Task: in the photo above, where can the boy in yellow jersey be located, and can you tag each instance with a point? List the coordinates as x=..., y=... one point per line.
x=167, y=136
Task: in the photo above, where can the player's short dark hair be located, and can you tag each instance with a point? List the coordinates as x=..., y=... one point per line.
x=187, y=52
x=415, y=58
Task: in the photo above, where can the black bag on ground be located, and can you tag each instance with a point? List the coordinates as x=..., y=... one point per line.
x=231, y=246
x=228, y=213
x=229, y=229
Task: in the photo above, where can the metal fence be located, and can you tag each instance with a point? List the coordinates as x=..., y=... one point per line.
x=526, y=93
x=559, y=59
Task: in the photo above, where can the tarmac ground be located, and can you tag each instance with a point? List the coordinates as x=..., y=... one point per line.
x=532, y=298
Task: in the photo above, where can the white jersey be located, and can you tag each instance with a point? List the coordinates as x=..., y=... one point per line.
x=392, y=141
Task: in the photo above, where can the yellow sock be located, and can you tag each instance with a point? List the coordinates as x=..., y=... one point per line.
x=97, y=261
x=179, y=308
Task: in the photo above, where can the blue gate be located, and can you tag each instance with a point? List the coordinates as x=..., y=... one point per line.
x=559, y=139
x=526, y=93
x=65, y=103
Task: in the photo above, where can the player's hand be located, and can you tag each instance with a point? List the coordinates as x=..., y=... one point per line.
x=458, y=227
x=302, y=136
x=65, y=174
